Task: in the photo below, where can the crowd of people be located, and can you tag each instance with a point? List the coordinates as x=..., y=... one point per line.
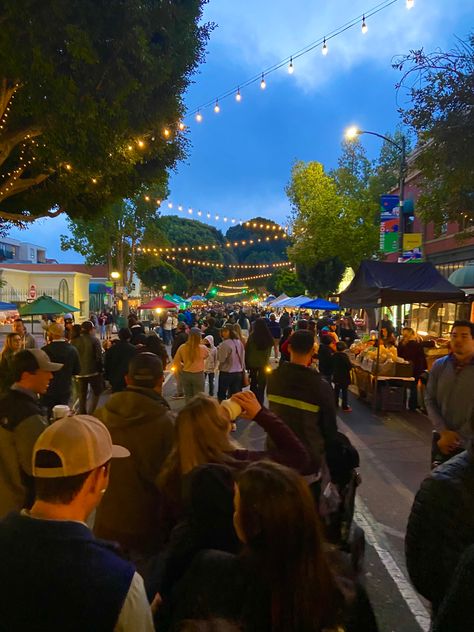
x=117, y=513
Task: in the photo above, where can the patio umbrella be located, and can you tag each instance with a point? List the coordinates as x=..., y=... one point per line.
x=320, y=303
x=45, y=305
x=158, y=303
x=7, y=307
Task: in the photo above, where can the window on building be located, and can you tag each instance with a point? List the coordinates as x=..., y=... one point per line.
x=82, y=307
x=64, y=291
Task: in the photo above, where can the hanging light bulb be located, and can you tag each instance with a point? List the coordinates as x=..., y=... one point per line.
x=181, y=126
x=364, y=25
x=238, y=96
x=410, y=4
x=325, y=47
x=263, y=84
x=166, y=133
x=199, y=117
x=291, y=68
x=217, y=109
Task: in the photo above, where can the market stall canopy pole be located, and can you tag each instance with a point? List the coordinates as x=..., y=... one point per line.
x=380, y=284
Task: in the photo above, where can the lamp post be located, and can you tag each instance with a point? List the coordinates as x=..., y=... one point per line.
x=352, y=133
x=115, y=276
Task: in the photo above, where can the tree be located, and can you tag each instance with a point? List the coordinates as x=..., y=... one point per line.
x=285, y=281
x=270, y=249
x=327, y=220
x=113, y=238
x=90, y=100
x=321, y=278
x=163, y=273
x=441, y=87
x=181, y=232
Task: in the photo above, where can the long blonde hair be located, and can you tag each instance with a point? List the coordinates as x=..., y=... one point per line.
x=192, y=345
x=201, y=436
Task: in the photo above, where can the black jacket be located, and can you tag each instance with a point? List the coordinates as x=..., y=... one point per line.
x=179, y=340
x=325, y=354
x=440, y=527
x=59, y=389
x=341, y=368
x=116, y=361
x=456, y=613
x=305, y=402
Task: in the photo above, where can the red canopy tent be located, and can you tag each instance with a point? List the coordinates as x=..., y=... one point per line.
x=159, y=303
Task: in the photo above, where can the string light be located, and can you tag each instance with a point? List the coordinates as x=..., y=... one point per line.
x=251, y=278
x=199, y=117
x=217, y=109
x=166, y=133
x=325, y=47
x=240, y=266
x=141, y=144
x=201, y=247
x=238, y=96
x=263, y=83
x=291, y=68
x=232, y=287
x=364, y=25
x=181, y=126
x=410, y=4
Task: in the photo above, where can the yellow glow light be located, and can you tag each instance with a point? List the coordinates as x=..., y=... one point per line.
x=141, y=144
x=352, y=132
x=238, y=96
x=217, y=108
x=364, y=25
x=263, y=83
x=410, y=4
x=199, y=117
x=166, y=133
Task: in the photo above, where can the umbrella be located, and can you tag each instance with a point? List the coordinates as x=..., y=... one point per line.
x=46, y=305
x=158, y=303
x=320, y=303
x=7, y=307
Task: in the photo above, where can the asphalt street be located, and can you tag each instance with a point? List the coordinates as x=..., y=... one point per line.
x=395, y=451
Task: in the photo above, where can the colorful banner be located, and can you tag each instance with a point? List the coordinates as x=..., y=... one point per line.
x=412, y=243
x=389, y=223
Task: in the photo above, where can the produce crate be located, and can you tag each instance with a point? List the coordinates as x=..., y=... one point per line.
x=390, y=396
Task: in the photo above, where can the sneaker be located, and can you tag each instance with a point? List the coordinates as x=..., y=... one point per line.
x=348, y=409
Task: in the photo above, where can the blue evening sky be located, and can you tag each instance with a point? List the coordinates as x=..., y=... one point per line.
x=240, y=159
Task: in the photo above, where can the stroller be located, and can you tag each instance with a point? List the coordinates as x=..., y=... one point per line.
x=338, y=518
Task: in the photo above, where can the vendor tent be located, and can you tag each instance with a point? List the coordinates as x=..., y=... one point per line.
x=296, y=301
x=197, y=298
x=158, y=303
x=320, y=303
x=7, y=307
x=378, y=283
x=276, y=300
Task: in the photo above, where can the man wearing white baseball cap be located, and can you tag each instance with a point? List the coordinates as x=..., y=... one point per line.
x=55, y=574
x=22, y=420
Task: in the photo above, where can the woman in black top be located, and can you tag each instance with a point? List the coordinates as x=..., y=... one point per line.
x=283, y=580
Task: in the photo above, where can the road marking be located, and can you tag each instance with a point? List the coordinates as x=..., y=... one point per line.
x=375, y=537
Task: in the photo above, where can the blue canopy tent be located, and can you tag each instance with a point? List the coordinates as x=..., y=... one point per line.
x=296, y=301
x=197, y=298
x=7, y=307
x=320, y=303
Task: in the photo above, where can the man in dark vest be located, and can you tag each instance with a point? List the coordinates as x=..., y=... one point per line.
x=22, y=420
x=54, y=574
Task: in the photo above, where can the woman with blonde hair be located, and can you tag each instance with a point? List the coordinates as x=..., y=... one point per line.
x=202, y=430
x=13, y=343
x=189, y=363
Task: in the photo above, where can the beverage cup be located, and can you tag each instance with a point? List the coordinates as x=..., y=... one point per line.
x=60, y=411
x=232, y=409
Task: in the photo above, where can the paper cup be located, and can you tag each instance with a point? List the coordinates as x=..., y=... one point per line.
x=60, y=411
x=232, y=408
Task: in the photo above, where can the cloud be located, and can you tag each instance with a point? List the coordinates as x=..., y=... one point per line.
x=261, y=33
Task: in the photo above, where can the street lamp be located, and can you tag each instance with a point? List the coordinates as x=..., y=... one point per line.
x=115, y=276
x=354, y=132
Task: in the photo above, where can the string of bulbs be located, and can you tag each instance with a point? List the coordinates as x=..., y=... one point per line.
x=229, y=244
x=214, y=264
x=288, y=62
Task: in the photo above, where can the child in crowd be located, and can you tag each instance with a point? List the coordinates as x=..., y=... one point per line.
x=210, y=364
x=341, y=375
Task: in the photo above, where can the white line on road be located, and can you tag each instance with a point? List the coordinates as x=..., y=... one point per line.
x=376, y=539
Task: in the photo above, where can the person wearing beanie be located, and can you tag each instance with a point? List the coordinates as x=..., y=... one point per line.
x=55, y=575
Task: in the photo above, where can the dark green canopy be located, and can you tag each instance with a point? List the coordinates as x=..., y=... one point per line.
x=46, y=305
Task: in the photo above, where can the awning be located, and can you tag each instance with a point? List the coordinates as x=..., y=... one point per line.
x=100, y=288
x=7, y=307
x=377, y=283
x=463, y=278
x=320, y=303
x=158, y=303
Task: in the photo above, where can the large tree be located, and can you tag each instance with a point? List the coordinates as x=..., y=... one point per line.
x=330, y=216
x=321, y=278
x=285, y=281
x=269, y=241
x=90, y=100
x=441, y=86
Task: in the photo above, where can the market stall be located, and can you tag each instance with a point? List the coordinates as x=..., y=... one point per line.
x=379, y=374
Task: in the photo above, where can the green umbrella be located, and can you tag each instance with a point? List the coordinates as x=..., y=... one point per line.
x=46, y=305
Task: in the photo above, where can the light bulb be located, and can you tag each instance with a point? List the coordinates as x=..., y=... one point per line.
x=199, y=117
x=325, y=47
x=141, y=144
x=238, y=96
x=181, y=125
x=364, y=25
x=166, y=132
x=291, y=68
x=263, y=84
x=217, y=109
x=410, y=4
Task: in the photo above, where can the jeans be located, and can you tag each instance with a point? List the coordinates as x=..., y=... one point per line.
x=229, y=384
x=211, y=383
x=167, y=336
x=96, y=383
x=258, y=382
x=192, y=383
x=341, y=388
x=413, y=395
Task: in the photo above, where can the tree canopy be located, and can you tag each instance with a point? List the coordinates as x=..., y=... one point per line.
x=91, y=100
x=441, y=87
x=162, y=273
x=285, y=281
x=268, y=250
